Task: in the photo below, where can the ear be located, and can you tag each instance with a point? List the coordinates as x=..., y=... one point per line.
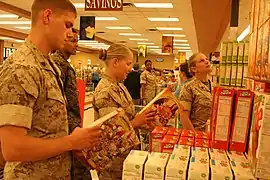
x=46, y=15
x=193, y=69
x=115, y=62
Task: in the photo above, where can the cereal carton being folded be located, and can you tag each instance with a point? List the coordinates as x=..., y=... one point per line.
x=155, y=166
x=168, y=142
x=220, y=170
x=218, y=154
x=134, y=165
x=198, y=169
x=156, y=137
x=177, y=167
x=200, y=152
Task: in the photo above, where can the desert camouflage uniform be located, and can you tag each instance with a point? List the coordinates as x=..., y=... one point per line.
x=31, y=96
x=109, y=96
x=68, y=76
x=149, y=79
x=196, y=98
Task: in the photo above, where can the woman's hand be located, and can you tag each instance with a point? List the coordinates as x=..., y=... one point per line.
x=143, y=118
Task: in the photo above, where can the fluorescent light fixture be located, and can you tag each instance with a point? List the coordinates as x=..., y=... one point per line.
x=118, y=27
x=95, y=44
x=180, y=40
x=8, y=16
x=5, y=38
x=244, y=34
x=145, y=43
x=164, y=53
x=164, y=19
x=159, y=50
x=175, y=35
x=181, y=47
x=106, y=19
x=169, y=29
x=79, y=5
x=23, y=27
x=153, y=47
x=15, y=22
x=129, y=34
x=86, y=42
x=153, y=5
x=138, y=39
x=180, y=44
x=184, y=50
x=19, y=41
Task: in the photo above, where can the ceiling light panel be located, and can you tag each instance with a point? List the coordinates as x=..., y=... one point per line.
x=182, y=48
x=153, y=5
x=153, y=47
x=180, y=40
x=106, y=19
x=145, y=43
x=138, y=39
x=129, y=34
x=118, y=27
x=7, y=16
x=175, y=44
x=23, y=27
x=79, y=5
x=14, y=22
x=175, y=35
x=164, y=19
x=169, y=29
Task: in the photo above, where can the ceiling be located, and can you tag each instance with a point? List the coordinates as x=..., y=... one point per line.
x=133, y=17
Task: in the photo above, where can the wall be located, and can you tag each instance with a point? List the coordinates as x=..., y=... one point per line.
x=83, y=58
x=168, y=62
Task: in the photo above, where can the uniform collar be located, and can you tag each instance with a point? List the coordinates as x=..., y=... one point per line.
x=105, y=76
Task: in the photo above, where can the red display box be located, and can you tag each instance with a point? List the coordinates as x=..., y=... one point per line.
x=156, y=137
x=189, y=141
x=168, y=142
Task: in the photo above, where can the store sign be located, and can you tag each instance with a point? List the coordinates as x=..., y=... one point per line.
x=103, y=5
x=167, y=44
x=159, y=59
x=87, y=27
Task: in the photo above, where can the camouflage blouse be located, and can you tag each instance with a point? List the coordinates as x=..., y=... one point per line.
x=149, y=79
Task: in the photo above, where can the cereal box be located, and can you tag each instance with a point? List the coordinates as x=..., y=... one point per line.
x=200, y=152
x=177, y=167
x=242, y=170
x=181, y=150
x=155, y=166
x=228, y=74
x=198, y=169
x=221, y=117
x=134, y=164
x=218, y=154
x=168, y=142
x=261, y=87
x=201, y=135
x=259, y=55
x=235, y=52
x=246, y=52
x=174, y=132
x=265, y=50
x=234, y=75
x=220, y=170
x=186, y=141
x=236, y=156
x=202, y=143
x=187, y=133
x=156, y=137
x=241, y=121
x=252, y=54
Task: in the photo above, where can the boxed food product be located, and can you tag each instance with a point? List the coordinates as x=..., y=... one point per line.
x=229, y=52
x=202, y=143
x=156, y=137
x=261, y=87
x=222, y=73
x=134, y=164
x=186, y=141
x=241, y=52
x=234, y=52
x=200, y=152
x=168, y=142
x=242, y=170
x=245, y=75
x=258, y=70
x=218, y=154
x=241, y=121
x=177, y=167
x=265, y=49
x=246, y=52
x=254, y=15
x=198, y=169
x=118, y=137
x=201, y=135
x=237, y=156
x=155, y=166
x=167, y=108
x=234, y=75
x=228, y=74
x=240, y=71
x=174, y=132
x=220, y=170
x=224, y=48
x=221, y=117
x=181, y=150
x=252, y=54
x=187, y=133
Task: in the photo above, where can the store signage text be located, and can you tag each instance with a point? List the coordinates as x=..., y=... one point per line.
x=103, y=5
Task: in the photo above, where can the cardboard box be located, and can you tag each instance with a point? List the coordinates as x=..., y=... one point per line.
x=240, y=71
x=177, y=167
x=156, y=137
x=241, y=52
x=168, y=142
x=186, y=141
x=235, y=52
x=134, y=164
x=202, y=143
x=222, y=73
x=259, y=55
x=221, y=117
x=187, y=133
x=252, y=54
x=265, y=50
x=246, y=52
x=229, y=52
x=261, y=87
x=201, y=135
x=155, y=166
x=228, y=74
x=234, y=75
x=198, y=169
x=218, y=154
x=242, y=170
x=183, y=150
x=241, y=121
x=220, y=170
x=199, y=152
x=174, y=132
x=237, y=156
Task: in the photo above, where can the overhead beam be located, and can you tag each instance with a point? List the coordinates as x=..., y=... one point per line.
x=12, y=34
x=15, y=10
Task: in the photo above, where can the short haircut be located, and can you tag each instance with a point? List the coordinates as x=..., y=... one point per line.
x=54, y=5
x=147, y=61
x=136, y=67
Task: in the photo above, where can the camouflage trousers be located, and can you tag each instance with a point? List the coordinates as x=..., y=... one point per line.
x=79, y=171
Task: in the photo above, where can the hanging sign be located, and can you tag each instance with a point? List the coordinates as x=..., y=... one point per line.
x=103, y=5
x=87, y=27
x=167, y=44
x=142, y=50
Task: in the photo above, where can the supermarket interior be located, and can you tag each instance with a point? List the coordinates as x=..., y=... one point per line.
x=163, y=89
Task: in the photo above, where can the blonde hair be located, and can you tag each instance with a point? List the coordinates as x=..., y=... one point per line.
x=118, y=51
x=54, y=5
x=192, y=61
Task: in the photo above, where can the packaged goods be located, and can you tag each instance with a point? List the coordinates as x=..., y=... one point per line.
x=118, y=137
x=241, y=120
x=252, y=54
x=168, y=142
x=220, y=170
x=174, y=132
x=134, y=164
x=183, y=150
x=246, y=52
x=229, y=52
x=265, y=50
x=261, y=87
x=198, y=169
x=156, y=137
x=177, y=167
x=186, y=141
x=234, y=75
x=218, y=154
x=222, y=73
x=199, y=152
x=242, y=52
x=202, y=143
x=245, y=75
x=166, y=106
x=237, y=156
x=187, y=133
x=221, y=117
x=242, y=170
x=201, y=135
x=155, y=166
x=240, y=71
x=258, y=70
x=228, y=74
x=235, y=52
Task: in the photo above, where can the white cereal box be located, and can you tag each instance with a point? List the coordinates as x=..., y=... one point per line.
x=237, y=156
x=155, y=166
x=218, y=154
x=177, y=167
x=220, y=170
x=198, y=169
x=242, y=170
x=200, y=152
x=183, y=150
x=134, y=165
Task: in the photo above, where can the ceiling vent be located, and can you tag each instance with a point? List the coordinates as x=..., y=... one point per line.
x=152, y=30
x=122, y=42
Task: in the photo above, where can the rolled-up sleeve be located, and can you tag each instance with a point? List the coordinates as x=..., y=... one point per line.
x=18, y=94
x=186, y=98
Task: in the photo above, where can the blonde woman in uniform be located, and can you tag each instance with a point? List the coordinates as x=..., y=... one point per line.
x=196, y=95
x=111, y=94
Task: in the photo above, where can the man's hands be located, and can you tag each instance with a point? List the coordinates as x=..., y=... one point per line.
x=143, y=118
